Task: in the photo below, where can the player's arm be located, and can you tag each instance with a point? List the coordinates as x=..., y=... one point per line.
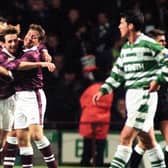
x=31, y=65
x=44, y=53
x=46, y=56
x=4, y=71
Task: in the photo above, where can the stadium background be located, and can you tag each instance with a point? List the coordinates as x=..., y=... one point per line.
x=62, y=115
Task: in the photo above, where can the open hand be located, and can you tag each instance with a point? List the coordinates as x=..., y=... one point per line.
x=154, y=86
x=97, y=97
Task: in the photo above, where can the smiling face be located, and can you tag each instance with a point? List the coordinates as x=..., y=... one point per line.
x=161, y=39
x=31, y=38
x=11, y=43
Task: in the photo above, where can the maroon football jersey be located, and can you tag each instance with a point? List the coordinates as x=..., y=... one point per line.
x=30, y=79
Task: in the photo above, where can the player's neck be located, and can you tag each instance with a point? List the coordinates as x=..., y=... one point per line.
x=133, y=36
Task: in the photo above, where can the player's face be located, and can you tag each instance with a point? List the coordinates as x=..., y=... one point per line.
x=31, y=38
x=3, y=25
x=161, y=40
x=123, y=27
x=11, y=43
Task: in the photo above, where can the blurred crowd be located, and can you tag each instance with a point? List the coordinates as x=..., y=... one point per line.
x=75, y=30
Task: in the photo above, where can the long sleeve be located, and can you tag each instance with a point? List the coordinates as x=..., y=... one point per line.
x=115, y=79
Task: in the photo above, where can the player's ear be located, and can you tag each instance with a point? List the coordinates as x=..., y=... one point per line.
x=130, y=26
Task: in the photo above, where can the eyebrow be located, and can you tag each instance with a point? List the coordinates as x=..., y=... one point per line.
x=162, y=40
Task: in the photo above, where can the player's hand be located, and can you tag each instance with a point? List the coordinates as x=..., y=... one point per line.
x=47, y=58
x=97, y=97
x=154, y=86
x=51, y=67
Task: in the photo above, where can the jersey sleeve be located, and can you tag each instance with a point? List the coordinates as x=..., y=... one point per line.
x=115, y=79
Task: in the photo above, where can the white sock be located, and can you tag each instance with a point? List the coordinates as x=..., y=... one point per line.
x=44, y=142
x=139, y=150
x=12, y=140
x=156, y=157
x=26, y=151
x=121, y=156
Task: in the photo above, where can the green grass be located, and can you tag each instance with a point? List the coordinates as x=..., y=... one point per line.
x=46, y=167
x=65, y=166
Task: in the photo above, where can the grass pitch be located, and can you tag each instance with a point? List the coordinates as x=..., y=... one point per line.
x=60, y=167
x=46, y=167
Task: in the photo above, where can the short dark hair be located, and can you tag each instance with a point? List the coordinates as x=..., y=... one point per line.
x=134, y=17
x=156, y=32
x=8, y=31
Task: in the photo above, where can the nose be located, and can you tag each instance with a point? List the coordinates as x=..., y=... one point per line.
x=28, y=38
x=165, y=43
x=13, y=43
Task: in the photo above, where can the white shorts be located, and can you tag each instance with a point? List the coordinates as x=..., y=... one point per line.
x=141, y=107
x=7, y=108
x=30, y=108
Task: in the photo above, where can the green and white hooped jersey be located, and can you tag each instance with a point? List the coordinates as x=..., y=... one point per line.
x=138, y=64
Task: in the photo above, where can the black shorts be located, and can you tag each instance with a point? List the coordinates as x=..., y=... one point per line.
x=162, y=108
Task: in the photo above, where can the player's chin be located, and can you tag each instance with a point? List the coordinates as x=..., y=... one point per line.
x=13, y=50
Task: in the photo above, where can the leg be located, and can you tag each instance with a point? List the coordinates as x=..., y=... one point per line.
x=10, y=150
x=6, y=118
x=3, y=135
x=87, y=152
x=26, y=150
x=153, y=150
x=136, y=156
x=100, y=146
x=43, y=145
x=164, y=130
x=124, y=150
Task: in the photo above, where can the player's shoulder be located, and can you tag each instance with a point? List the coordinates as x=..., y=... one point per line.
x=3, y=54
x=147, y=38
